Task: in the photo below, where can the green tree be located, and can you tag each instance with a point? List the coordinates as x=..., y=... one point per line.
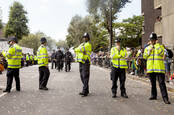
x=102, y=10
x=1, y=24
x=17, y=24
x=33, y=41
x=130, y=31
x=79, y=25
x=62, y=44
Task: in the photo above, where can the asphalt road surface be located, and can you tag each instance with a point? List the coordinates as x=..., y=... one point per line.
x=62, y=97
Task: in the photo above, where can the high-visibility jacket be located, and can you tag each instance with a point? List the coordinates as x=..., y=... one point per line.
x=14, y=56
x=118, y=58
x=35, y=58
x=155, y=61
x=83, y=52
x=27, y=58
x=42, y=56
x=31, y=57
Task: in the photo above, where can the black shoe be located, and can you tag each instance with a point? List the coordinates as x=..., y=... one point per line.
x=84, y=95
x=81, y=93
x=124, y=95
x=152, y=98
x=6, y=91
x=166, y=101
x=18, y=90
x=43, y=88
x=114, y=96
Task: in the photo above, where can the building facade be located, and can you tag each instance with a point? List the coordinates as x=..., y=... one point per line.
x=151, y=15
x=159, y=18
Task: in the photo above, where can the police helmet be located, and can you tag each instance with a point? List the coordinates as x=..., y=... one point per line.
x=86, y=35
x=118, y=40
x=43, y=40
x=153, y=36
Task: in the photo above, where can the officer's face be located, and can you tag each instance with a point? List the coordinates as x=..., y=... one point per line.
x=117, y=43
x=85, y=39
x=153, y=42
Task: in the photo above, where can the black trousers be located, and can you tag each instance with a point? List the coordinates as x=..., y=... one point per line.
x=59, y=65
x=10, y=74
x=115, y=74
x=53, y=64
x=84, y=75
x=27, y=63
x=67, y=66
x=44, y=74
x=161, y=79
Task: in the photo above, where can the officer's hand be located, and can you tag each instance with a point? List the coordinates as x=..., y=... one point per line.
x=84, y=52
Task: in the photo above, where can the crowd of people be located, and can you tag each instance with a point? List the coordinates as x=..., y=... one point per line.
x=59, y=59
x=136, y=62
x=26, y=60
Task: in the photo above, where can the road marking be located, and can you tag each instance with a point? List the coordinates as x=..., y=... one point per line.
x=5, y=93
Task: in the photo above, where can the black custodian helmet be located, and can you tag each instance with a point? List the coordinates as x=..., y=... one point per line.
x=118, y=40
x=153, y=36
x=86, y=35
x=13, y=39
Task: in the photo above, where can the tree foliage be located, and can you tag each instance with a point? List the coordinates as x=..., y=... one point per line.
x=1, y=26
x=33, y=41
x=17, y=24
x=62, y=44
x=130, y=31
x=78, y=26
x=102, y=9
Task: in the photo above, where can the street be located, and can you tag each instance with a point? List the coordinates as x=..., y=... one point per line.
x=62, y=97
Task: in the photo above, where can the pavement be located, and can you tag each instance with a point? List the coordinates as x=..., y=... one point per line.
x=62, y=97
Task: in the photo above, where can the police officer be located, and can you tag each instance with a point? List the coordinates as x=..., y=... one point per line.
x=13, y=56
x=68, y=59
x=59, y=58
x=44, y=72
x=53, y=59
x=27, y=59
x=83, y=53
x=119, y=65
x=35, y=60
x=154, y=54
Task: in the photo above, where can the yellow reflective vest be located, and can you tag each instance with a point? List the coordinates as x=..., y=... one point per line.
x=35, y=58
x=42, y=56
x=14, y=56
x=83, y=52
x=118, y=58
x=155, y=61
x=27, y=57
x=31, y=57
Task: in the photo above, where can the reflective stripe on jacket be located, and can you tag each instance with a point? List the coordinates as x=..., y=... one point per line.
x=155, y=61
x=83, y=52
x=14, y=56
x=42, y=56
x=118, y=58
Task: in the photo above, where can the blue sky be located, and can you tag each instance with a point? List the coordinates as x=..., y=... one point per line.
x=53, y=16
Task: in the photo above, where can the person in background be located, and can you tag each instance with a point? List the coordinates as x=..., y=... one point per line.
x=53, y=60
x=59, y=58
x=68, y=59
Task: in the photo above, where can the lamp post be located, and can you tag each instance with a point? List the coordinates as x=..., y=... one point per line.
x=111, y=30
